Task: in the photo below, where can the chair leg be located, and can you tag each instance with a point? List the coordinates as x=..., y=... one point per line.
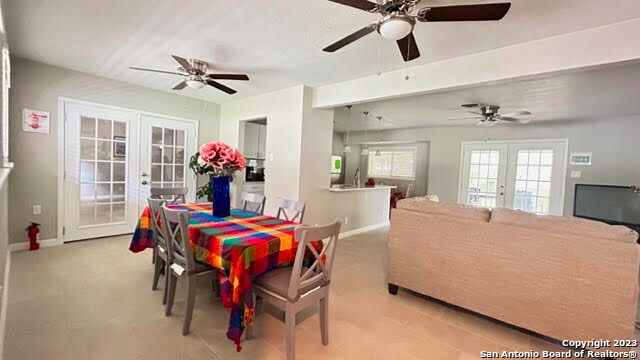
x=167, y=275
x=159, y=264
x=191, y=299
x=324, y=319
x=290, y=324
x=173, y=279
x=153, y=256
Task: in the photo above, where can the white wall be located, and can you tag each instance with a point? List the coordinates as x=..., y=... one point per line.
x=563, y=52
x=283, y=111
x=38, y=86
x=299, y=147
x=613, y=142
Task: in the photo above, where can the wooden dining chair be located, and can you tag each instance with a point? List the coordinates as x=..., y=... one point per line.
x=290, y=210
x=183, y=264
x=162, y=255
x=295, y=288
x=174, y=195
x=253, y=202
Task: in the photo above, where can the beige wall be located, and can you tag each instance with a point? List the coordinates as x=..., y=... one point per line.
x=38, y=86
x=613, y=142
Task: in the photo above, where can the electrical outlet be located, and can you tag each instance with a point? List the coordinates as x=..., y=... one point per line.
x=346, y=220
x=37, y=209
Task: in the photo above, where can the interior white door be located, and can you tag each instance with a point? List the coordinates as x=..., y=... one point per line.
x=165, y=148
x=483, y=175
x=100, y=174
x=526, y=175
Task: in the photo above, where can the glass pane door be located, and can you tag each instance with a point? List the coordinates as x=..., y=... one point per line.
x=99, y=166
x=484, y=168
x=166, y=146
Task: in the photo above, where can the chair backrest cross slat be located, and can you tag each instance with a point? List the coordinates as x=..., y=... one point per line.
x=319, y=273
x=177, y=222
x=253, y=202
x=290, y=210
x=174, y=195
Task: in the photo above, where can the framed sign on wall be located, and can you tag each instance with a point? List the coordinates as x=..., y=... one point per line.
x=580, y=158
x=35, y=121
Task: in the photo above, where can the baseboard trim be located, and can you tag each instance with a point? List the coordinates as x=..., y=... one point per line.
x=43, y=243
x=5, y=302
x=364, y=229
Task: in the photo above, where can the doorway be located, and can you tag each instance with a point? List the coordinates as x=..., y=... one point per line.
x=521, y=175
x=112, y=157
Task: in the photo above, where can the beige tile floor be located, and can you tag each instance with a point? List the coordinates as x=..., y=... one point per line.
x=93, y=300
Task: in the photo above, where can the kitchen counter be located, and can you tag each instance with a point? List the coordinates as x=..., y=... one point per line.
x=350, y=188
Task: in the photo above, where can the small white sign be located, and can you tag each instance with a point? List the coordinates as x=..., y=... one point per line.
x=35, y=121
x=582, y=158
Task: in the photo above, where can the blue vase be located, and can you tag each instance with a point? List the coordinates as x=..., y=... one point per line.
x=220, y=195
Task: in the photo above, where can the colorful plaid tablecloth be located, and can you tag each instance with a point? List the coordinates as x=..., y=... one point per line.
x=242, y=246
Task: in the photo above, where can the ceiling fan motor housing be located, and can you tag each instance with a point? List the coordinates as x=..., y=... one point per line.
x=198, y=67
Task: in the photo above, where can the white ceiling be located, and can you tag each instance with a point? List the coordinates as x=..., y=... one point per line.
x=277, y=42
x=578, y=95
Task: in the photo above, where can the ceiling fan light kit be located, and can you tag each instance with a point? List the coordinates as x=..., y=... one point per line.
x=396, y=26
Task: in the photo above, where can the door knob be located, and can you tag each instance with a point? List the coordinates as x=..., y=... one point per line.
x=144, y=174
x=144, y=182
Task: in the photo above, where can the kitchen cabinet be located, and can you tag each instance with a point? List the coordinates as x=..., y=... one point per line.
x=262, y=141
x=255, y=140
x=256, y=188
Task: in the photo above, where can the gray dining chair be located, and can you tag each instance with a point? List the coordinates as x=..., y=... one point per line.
x=174, y=195
x=162, y=256
x=253, y=202
x=290, y=210
x=295, y=288
x=183, y=264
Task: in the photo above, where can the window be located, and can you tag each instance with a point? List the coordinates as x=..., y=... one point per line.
x=392, y=163
x=483, y=178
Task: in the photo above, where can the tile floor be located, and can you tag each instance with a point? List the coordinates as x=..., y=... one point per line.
x=93, y=300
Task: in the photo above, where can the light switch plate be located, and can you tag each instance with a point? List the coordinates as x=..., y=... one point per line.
x=575, y=174
x=37, y=209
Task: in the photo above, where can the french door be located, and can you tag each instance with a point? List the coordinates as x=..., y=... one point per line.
x=111, y=160
x=164, y=156
x=527, y=176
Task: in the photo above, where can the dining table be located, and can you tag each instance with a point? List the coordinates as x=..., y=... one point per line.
x=241, y=247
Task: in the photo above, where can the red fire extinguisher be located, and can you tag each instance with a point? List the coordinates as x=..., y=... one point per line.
x=32, y=231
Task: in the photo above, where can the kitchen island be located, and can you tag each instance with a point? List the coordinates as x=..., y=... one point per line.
x=348, y=188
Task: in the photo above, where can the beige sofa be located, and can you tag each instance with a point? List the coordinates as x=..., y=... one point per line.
x=566, y=278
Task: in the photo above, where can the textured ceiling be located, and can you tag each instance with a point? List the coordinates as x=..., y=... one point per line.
x=278, y=42
x=601, y=93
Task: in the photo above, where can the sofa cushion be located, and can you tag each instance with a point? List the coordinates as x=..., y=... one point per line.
x=460, y=211
x=560, y=224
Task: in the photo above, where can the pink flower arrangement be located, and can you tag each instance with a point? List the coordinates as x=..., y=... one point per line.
x=220, y=159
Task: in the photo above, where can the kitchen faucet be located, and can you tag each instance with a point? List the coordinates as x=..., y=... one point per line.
x=356, y=177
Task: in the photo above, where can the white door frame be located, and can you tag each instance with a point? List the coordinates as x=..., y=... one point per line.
x=563, y=165
x=62, y=101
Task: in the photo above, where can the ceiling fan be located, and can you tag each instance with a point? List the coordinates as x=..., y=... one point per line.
x=399, y=19
x=489, y=116
x=195, y=75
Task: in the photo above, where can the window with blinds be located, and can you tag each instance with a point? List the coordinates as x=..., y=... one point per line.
x=392, y=163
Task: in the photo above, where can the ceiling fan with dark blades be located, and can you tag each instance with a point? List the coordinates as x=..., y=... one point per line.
x=489, y=115
x=195, y=75
x=399, y=19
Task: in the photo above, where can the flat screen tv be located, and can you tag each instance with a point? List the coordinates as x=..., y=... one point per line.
x=616, y=205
